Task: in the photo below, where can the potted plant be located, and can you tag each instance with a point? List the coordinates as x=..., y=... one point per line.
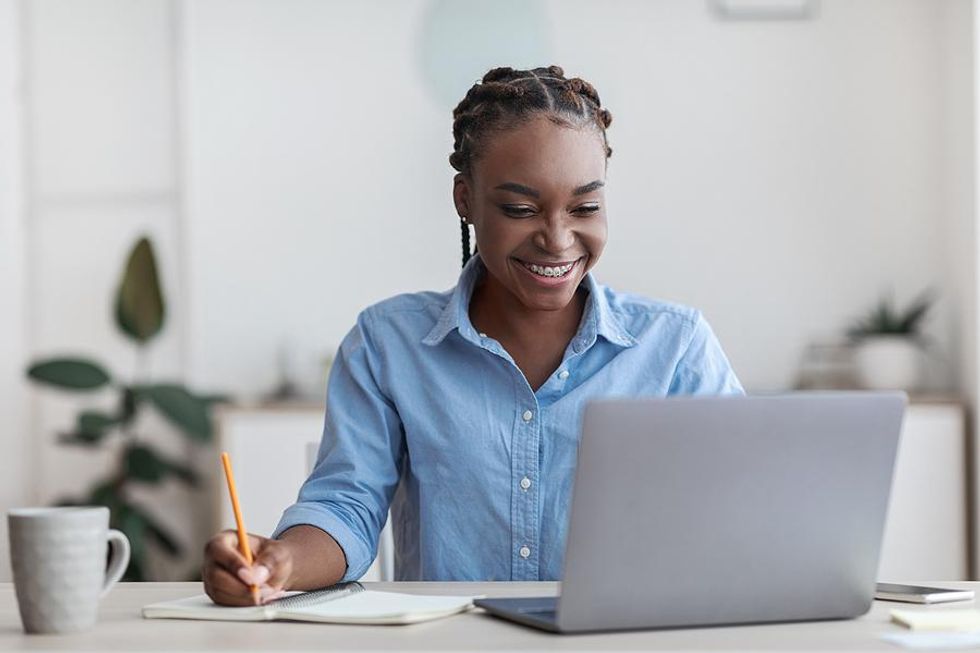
x=139, y=315
x=888, y=344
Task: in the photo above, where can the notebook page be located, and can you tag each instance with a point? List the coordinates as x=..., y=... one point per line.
x=202, y=607
x=380, y=607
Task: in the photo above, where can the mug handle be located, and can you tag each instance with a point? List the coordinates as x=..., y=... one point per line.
x=118, y=559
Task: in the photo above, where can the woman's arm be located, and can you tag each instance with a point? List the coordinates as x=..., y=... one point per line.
x=361, y=453
x=317, y=560
x=704, y=368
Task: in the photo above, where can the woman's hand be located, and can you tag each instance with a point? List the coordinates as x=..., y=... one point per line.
x=228, y=578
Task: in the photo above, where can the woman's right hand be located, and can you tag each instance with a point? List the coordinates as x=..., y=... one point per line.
x=228, y=578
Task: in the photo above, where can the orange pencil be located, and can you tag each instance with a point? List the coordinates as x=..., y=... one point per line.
x=242, y=533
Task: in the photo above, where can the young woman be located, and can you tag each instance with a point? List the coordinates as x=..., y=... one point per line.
x=460, y=410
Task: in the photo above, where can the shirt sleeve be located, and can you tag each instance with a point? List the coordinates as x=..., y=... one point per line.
x=703, y=367
x=358, y=465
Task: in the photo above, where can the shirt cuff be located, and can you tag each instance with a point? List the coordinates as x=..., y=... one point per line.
x=359, y=559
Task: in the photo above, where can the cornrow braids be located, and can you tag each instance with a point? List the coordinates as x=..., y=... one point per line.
x=465, y=230
x=506, y=97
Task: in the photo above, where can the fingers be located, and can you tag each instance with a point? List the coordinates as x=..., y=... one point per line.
x=225, y=588
x=273, y=565
x=227, y=577
x=222, y=550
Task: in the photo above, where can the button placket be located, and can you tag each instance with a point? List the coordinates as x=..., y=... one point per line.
x=524, y=501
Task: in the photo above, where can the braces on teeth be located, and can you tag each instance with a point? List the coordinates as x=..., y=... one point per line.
x=558, y=271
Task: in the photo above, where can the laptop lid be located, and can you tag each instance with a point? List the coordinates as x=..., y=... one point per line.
x=714, y=510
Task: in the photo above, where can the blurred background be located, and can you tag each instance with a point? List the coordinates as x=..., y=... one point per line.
x=783, y=165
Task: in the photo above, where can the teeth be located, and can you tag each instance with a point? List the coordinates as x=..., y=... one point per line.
x=548, y=271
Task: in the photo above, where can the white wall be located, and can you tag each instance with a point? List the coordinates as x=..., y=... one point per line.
x=957, y=172
x=102, y=160
x=16, y=461
x=778, y=175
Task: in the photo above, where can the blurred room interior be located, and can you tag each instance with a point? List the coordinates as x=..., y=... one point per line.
x=287, y=162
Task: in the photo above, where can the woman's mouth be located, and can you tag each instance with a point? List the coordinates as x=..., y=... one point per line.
x=549, y=270
x=550, y=273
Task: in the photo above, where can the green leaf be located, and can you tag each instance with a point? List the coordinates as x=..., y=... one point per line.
x=886, y=319
x=128, y=405
x=69, y=502
x=134, y=572
x=81, y=439
x=140, y=307
x=130, y=523
x=93, y=424
x=106, y=494
x=183, y=409
x=69, y=373
x=183, y=472
x=143, y=464
x=916, y=312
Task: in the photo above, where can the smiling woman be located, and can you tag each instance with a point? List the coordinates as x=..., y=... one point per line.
x=460, y=410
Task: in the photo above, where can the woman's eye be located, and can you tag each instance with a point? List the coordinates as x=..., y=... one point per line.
x=518, y=211
x=586, y=209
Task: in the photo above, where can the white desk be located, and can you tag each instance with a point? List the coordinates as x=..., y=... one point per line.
x=121, y=628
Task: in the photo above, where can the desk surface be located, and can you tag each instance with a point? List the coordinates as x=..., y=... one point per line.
x=121, y=628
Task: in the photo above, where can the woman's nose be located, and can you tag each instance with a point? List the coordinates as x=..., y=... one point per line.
x=555, y=235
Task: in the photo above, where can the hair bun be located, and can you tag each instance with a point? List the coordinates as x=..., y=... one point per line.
x=498, y=74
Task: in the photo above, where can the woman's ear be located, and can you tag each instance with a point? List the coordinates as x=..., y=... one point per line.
x=461, y=196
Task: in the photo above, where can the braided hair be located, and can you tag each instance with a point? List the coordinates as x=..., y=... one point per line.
x=506, y=97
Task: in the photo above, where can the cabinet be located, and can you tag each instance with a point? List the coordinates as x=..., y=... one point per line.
x=274, y=449
x=926, y=532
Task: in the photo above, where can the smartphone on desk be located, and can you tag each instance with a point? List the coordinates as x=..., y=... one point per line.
x=920, y=594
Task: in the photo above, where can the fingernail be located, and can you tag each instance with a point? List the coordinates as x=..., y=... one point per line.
x=269, y=594
x=260, y=574
x=246, y=575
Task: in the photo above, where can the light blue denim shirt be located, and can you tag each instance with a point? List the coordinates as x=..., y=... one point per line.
x=426, y=415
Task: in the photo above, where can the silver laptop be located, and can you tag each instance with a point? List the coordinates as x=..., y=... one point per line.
x=695, y=511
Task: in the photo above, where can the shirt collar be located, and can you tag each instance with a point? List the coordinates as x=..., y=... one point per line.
x=456, y=313
x=599, y=318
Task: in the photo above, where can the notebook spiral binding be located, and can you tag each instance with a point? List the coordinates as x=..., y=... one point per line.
x=306, y=599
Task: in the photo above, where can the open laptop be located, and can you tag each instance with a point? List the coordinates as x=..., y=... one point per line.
x=695, y=511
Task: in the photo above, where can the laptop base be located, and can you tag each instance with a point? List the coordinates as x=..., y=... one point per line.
x=538, y=612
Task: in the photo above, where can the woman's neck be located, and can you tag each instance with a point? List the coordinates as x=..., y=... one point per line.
x=499, y=314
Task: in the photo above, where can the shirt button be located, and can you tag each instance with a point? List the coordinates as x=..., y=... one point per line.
x=525, y=552
x=483, y=335
x=525, y=483
x=528, y=416
x=563, y=375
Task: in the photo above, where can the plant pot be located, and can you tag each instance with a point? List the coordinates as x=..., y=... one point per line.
x=888, y=362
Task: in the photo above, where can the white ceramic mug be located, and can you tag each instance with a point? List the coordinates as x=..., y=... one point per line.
x=58, y=558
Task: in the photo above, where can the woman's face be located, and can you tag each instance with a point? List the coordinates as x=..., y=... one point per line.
x=535, y=199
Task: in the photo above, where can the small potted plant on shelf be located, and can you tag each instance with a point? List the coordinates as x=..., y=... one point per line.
x=888, y=344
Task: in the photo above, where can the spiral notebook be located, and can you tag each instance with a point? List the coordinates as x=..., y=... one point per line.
x=347, y=603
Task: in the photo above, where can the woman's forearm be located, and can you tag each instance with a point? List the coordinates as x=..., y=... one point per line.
x=318, y=561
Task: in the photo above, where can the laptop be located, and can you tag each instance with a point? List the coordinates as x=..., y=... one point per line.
x=698, y=511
